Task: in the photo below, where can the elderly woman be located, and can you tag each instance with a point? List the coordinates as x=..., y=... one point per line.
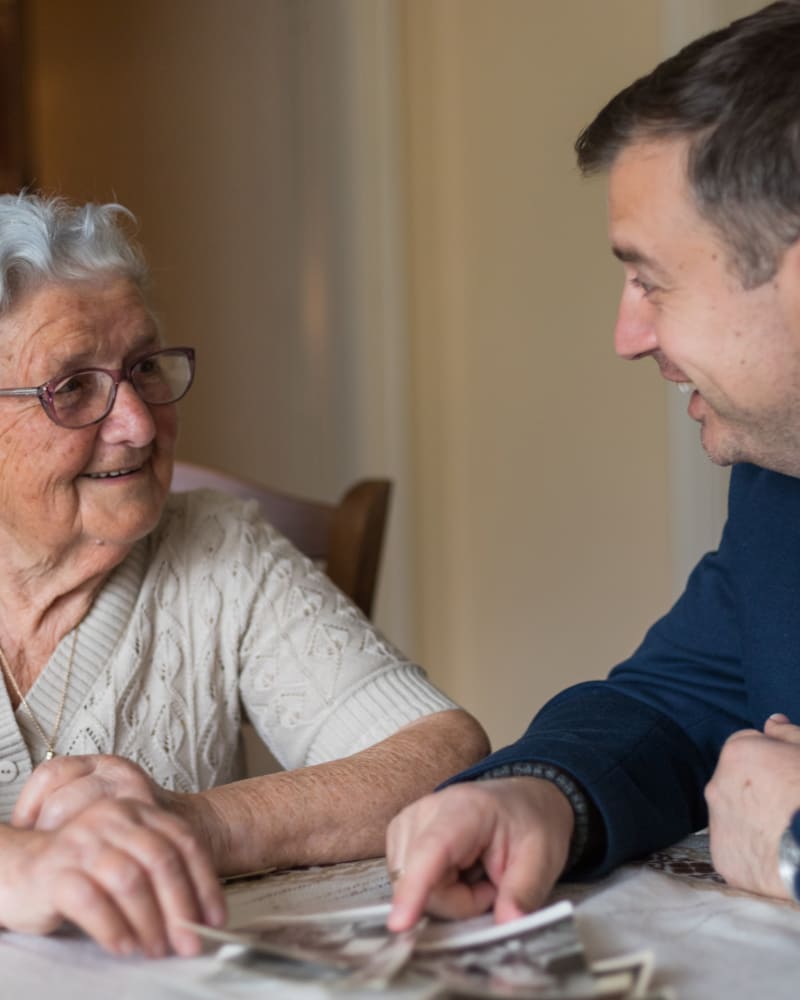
x=135, y=623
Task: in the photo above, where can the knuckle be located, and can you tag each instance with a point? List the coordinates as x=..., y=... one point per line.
x=174, y=831
x=181, y=829
x=129, y=770
x=51, y=816
x=64, y=768
x=736, y=747
x=57, y=765
x=102, y=810
x=743, y=734
x=121, y=874
x=74, y=891
x=430, y=843
x=166, y=860
x=191, y=849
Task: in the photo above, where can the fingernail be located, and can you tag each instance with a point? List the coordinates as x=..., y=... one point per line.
x=158, y=949
x=398, y=919
x=188, y=945
x=778, y=717
x=126, y=947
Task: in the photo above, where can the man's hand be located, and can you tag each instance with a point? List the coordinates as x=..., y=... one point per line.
x=458, y=852
x=60, y=789
x=751, y=798
x=125, y=872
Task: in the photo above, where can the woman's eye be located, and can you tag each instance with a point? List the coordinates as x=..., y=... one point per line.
x=72, y=384
x=148, y=368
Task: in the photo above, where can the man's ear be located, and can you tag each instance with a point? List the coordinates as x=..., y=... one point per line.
x=787, y=280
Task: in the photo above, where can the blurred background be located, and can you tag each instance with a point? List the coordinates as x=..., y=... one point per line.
x=366, y=216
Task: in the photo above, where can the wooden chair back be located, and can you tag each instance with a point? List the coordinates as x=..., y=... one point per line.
x=346, y=538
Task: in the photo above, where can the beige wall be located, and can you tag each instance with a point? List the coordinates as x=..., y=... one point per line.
x=213, y=121
x=556, y=498
x=366, y=215
x=542, y=517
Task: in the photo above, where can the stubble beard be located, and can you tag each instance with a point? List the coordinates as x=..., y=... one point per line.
x=773, y=445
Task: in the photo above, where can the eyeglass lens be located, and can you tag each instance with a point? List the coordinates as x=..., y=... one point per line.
x=82, y=398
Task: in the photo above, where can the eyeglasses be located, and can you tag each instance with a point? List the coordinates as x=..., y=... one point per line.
x=86, y=397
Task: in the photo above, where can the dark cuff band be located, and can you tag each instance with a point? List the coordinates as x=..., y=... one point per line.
x=575, y=795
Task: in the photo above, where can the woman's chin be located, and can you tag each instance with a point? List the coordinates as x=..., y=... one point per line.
x=122, y=526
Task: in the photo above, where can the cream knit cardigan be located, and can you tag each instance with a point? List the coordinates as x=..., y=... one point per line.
x=213, y=613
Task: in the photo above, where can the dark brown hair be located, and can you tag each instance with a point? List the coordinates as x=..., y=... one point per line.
x=735, y=95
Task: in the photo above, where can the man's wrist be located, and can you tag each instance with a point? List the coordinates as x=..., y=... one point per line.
x=789, y=858
x=572, y=791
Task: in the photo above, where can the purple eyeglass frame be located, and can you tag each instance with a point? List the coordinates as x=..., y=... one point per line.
x=45, y=392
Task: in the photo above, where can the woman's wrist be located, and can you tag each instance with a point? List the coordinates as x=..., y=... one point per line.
x=19, y=850
x=197, y=811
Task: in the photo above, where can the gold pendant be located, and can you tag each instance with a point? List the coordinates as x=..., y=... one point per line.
x=50, y=754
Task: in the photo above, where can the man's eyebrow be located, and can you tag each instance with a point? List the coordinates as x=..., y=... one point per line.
x=629, y=255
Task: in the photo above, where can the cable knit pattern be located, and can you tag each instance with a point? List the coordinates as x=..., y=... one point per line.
x=213, y=613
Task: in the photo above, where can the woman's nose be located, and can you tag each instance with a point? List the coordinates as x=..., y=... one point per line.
x=130, y=419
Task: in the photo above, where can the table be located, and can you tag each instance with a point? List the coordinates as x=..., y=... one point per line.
x=708, y=941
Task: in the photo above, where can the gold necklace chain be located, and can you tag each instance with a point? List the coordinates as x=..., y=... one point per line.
x=49, y=743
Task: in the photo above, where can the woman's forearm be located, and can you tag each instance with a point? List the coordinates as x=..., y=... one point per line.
x=335, y=811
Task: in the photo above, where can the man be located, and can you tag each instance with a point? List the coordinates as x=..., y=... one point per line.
x=703, y=161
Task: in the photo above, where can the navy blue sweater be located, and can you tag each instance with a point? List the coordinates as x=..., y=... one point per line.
x=644, y=742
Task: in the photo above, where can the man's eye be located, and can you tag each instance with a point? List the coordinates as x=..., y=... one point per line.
x=644, y=286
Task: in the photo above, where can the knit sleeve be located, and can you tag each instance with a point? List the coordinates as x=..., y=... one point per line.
x=317, y=680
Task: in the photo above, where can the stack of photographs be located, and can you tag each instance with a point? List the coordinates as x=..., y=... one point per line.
x=325, y=927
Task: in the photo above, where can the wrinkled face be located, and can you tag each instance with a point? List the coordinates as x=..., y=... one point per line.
x=736, y=350
x=101, y=484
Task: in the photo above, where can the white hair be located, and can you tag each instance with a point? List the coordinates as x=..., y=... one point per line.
x=49, y=240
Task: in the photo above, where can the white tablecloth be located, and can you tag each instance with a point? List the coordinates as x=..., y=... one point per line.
x=708, y=942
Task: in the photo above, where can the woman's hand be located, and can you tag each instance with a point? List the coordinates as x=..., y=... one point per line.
x=127, y=873
x=61, y=788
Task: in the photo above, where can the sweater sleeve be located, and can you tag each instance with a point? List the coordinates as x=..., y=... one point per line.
x=643, y=743
x=317, y=680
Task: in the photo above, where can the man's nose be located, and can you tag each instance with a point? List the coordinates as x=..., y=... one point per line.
x=635, y=331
